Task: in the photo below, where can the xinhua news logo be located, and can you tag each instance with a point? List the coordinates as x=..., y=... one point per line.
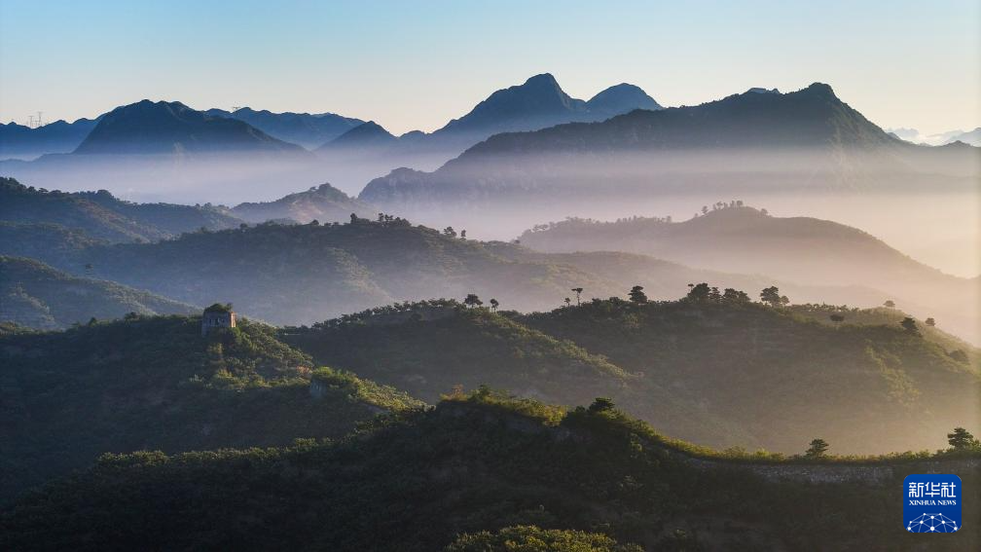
x=933, y=503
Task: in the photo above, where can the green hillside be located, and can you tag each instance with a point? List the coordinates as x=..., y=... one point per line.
x=35, y=295
x=719, y=373
x=155, y=383
x=781, y=378
x=475, y=464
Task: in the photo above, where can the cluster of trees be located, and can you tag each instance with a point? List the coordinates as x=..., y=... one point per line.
x=451, y=233
x=703, y=293
x=960, y=440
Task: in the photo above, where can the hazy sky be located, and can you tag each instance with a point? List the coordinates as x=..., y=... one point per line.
x=416, y=64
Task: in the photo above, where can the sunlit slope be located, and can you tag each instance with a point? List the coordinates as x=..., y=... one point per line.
x=472, y=464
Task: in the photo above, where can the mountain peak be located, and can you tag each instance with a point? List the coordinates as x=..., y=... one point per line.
x=148, y=127
x=366, y=134
x=622, y=98
x=820, y=89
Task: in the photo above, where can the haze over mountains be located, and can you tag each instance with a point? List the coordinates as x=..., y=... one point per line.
x=168, y=128
x=807, y=139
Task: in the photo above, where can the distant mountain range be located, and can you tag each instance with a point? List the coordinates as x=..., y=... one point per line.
x=972, y=137
x=808, y=138
x=308, y=130
x=23, y=142
x=264, y=144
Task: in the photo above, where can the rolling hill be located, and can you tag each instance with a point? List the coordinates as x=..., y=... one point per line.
x=475, y=464
x=323, y=203
x=35, y=295
x=805, y=250
x=103, y=216
x=718, y=373
x=156, y=383
x=299, y=274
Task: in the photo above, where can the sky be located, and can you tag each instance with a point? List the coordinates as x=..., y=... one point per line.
x=416, y=65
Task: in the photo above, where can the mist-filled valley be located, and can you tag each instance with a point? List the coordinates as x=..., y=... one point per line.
x=549, y=323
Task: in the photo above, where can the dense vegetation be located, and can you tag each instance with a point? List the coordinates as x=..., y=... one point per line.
x=35, y=295
x=156, y=383
x=720, y=372
x=101, y=215
x=473, y=464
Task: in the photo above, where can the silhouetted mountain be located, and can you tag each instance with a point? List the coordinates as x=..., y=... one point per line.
x=173, y=128
x=369, y=135
x=539, y=103
x=619, y=99
x=323, y=203
x=34, y=295
x=22, y=142
x=807, y=138
x=306, y=129
x=101, y=215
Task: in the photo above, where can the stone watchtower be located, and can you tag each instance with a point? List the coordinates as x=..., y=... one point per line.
x=217, y=316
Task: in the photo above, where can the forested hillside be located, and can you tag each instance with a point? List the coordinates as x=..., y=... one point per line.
x=477, y=463
x=156, y=383
x=35, y=295
x=103, y=216
x=695, y=368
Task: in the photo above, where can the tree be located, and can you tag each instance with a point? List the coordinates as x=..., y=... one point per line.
x=449, y=231
x=705, y=210
x=578, y=292
x=602, y=404
x=699, y=293
x=567, y=301
x=909, y=325
x=734, y=296
x=463, y=234
x=637, y=295
x=771, y=296
x=961, y=439
x=817, y=449
x=494, y=304
x=837, y=319
x=472, y=300
x=930, y=322
x=890, y=304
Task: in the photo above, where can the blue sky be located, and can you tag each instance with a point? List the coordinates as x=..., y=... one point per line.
x=416, y=64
